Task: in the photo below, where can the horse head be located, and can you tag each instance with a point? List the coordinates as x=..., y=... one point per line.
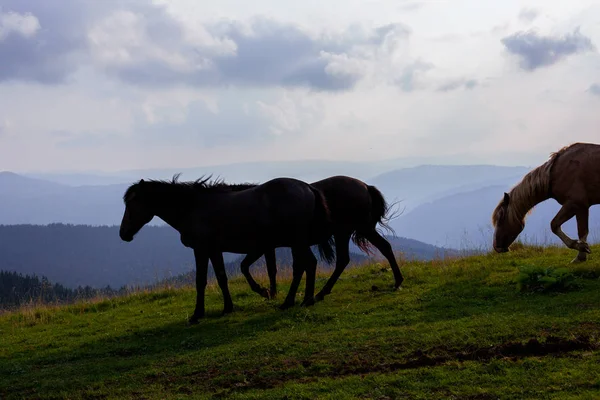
x=138, y=211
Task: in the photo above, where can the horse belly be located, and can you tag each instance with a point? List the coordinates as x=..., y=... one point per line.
x=241, y=233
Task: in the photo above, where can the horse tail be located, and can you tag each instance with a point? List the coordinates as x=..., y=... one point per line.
x=379, y=211
x=322, y=226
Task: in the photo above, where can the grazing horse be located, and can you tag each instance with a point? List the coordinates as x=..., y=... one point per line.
x=571, y=176
x=213, y=218
x=356, y=208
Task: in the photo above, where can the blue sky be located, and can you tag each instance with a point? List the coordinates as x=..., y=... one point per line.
x=110, y=85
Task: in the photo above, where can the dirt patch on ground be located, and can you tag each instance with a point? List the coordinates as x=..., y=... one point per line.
x=513, y=350
x=550, y=345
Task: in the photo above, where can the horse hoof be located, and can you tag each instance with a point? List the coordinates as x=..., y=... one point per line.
x=193, y=321
x=583, y=247
x=285, y=306
x=319, y=297
x=265, y=293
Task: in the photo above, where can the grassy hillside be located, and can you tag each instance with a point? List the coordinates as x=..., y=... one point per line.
x=459, y=329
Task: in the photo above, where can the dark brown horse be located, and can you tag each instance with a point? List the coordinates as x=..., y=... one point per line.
x=356, y=209
x=571, y=176
x=213, y=218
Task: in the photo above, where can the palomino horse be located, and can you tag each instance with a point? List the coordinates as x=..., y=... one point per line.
x=356, y=209
x=571, y=176
x=213, y=218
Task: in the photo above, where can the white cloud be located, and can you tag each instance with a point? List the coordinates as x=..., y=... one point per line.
x=293, y=113
x=26, y=25
x=122, y=40
x=343, y=66
x=171, y=106
x=5, y=126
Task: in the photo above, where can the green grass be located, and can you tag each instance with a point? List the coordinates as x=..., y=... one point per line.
x=460, y=328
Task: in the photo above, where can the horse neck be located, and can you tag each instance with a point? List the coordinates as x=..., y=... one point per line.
x=524, y=199
x=173, y=213
x=171, y=217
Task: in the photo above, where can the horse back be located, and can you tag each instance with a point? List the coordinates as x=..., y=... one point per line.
x=575, y=174
x=348, y=199
x=288, y=198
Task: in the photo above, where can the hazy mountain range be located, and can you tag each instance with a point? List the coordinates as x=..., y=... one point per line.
x=86, y=255
x=463, y=220
x=444, y=205
x=259, y=171
x=65, y=198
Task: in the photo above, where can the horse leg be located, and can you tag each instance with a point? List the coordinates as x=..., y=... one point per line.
x=201, y=272
x=271, y=262
x=245, y=267
x=567, y=212
x=297, y=271
x=386, y=249
x=311, y=276
x=582, y=231
x=342, y=259
x=219, y=268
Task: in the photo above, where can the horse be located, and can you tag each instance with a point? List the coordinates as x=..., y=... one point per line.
x=356, y=209
x=213, y=218
x=571, y=176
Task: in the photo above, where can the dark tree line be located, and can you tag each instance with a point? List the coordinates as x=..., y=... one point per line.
x=17, y=289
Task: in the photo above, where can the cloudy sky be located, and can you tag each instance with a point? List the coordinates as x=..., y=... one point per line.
x=112, y=84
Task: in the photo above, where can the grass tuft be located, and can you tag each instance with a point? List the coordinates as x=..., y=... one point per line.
x=545, y=279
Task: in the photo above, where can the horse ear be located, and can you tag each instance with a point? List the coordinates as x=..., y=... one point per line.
x=142, y=181
x=506, y=199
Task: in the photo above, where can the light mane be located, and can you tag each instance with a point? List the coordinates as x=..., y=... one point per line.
x=525, y=195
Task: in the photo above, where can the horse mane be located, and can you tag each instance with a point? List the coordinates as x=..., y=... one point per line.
x=531, y=190
x=202, y=184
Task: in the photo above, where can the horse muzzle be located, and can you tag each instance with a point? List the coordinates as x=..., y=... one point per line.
x=126, y=237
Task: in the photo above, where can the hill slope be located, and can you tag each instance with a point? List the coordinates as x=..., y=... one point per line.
x=459, y=329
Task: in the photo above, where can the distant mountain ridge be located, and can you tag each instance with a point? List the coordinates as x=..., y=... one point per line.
x=25, y=200
x=83, y=255
x=448, y=206
x=413, y=186
x=444, y=205
x=463, y=220
x=260, y=171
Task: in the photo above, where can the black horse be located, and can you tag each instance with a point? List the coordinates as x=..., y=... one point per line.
x=213, y=218
x=356, y=209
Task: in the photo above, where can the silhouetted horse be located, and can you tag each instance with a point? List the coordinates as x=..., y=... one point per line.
x=213, y=218
x=356, y=208
x=571, y=176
